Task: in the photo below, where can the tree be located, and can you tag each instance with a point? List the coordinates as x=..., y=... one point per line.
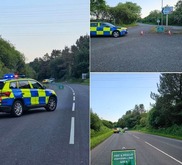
x=95, y=122
x=97, y=7
x=126, y=13
x=167, y=110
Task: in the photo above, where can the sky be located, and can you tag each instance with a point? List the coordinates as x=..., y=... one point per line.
x=146, y=5
x=112, y=94
x=36, y=27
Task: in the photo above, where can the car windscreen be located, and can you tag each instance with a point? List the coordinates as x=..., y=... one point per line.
x=1, y=85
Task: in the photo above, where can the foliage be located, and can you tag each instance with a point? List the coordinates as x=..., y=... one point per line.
x=123, y=13
x=64, y=64
x=12, y=61
x=95, y=122
x=134, y=117
x=126, y=13
x=97, y=8
x=174, y=19
x=168, y=108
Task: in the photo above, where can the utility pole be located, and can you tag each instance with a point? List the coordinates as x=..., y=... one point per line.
x=162, y=13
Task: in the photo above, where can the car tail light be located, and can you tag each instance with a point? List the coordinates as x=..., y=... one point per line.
x=6, y=94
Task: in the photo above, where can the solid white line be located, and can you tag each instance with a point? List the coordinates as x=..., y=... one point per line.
x=72, y=131
x=73, y=107
x=164, y=153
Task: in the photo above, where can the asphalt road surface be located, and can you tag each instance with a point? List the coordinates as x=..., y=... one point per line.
x=150, y=52
x=49, y=138
x=150, y=149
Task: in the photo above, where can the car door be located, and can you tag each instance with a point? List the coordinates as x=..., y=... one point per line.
x=28, y=96
x=41, y=93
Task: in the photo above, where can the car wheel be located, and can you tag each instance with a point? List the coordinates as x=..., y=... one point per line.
x=52, y=104
x=17, y=108
x=115, y=34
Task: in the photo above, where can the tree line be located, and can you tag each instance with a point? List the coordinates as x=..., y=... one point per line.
x=175, y=18
x=60, y=64
x=123, y=13
x=165, y=113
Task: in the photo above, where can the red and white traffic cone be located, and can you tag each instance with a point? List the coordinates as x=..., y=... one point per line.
x=141, y=33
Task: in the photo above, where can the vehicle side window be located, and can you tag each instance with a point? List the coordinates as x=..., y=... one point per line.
x=24, y=84
x=13, y=85
x=104, y=25
x=36, y=85
x=93, y=24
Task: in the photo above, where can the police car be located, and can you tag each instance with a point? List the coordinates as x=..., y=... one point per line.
x=20, y=94
x=106, y=29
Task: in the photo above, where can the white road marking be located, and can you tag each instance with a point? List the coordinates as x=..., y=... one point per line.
x=72, y=131
x=73, y=107
x=164, y=153
x=136, y=137
x=73, y=98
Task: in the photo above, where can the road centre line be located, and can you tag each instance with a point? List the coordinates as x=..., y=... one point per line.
x=163, y=152
x=73, y=98
x=136, y=137
x=73, y=106
x=72, y=131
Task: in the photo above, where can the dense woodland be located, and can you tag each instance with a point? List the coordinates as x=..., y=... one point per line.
x=166, y=112
x=123, y=13
x=68, y=63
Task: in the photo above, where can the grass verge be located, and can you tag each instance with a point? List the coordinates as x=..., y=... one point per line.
x=171, y=132
x=99, y=137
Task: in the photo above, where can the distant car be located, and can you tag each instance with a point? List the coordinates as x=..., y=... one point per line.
x=116, y=130
x=51, y=80
x=106, y=29
x=46, y=81
x=20, y=94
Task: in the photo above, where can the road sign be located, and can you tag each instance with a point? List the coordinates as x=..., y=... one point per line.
x=167, y=10
x=123, y=157
x=158, y=21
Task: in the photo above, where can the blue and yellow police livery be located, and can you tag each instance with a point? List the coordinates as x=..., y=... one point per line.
x=106, y=29
x=20, y=94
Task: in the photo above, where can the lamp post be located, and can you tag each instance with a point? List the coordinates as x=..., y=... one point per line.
x=162, y=13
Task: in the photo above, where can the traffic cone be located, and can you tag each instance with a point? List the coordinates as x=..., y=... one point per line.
x=169, y=32
x=141, y=33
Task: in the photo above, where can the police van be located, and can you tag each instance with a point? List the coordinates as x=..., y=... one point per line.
x=20, y=94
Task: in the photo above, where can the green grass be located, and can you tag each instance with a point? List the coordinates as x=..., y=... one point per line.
x=99, y=137
x=172, y=132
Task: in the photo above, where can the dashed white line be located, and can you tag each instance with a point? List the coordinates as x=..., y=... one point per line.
x=73, y=106
x=73, y=98
x=164, y=153
x=72, y=131
x=136, y=137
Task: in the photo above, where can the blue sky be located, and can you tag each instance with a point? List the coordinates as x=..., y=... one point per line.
x=36, y=27
x=146, y=5
x=112, y=94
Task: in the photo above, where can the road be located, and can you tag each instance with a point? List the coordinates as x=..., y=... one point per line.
x=150, y=52
x=150, y=149
x=49, y=138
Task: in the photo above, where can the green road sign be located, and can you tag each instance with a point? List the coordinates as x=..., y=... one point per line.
x=123, y=157
x=61, y=86
x=160, y=29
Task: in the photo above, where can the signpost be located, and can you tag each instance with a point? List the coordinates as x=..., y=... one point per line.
x=123, y=157
x=166, y=11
